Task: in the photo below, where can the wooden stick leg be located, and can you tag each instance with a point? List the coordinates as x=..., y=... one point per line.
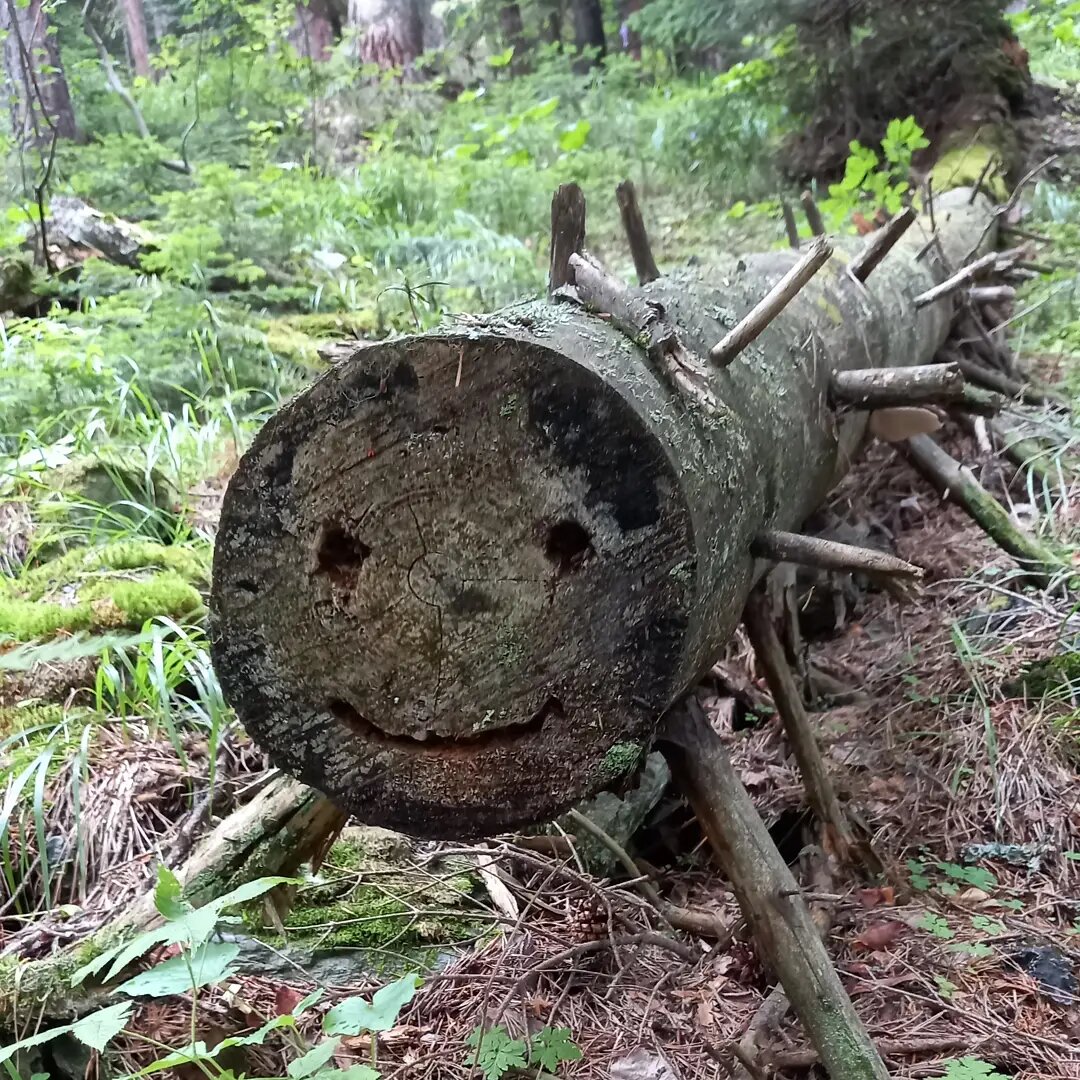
x=769, y=897
x=820, y=792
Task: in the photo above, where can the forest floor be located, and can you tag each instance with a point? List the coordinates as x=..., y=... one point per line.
x=951, y=721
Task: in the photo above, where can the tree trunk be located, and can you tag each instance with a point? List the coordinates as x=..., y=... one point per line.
x=458, y=579
x=40, y=103
x=629, y=38
x=552, y=21
x=389, y=33
x=138, y=42
x=588, y=33
x=512, y=31
x=317, y=28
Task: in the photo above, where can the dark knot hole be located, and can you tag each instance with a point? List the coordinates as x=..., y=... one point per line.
x=567, y=546
x=340, y=555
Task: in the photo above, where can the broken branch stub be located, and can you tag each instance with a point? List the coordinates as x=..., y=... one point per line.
x=749, y=329
x=880, y=244
x=636, y=234
x=460, y=576
x=824, y=554
x=567, y=234
x=876, y=388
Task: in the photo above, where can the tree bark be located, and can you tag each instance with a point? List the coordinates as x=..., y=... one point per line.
x=39, y=101
x=460, y=558
x=138, y=42
x=588, y=33
x=389, y=33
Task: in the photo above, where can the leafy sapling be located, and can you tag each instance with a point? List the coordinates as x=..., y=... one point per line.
x=495, y=1053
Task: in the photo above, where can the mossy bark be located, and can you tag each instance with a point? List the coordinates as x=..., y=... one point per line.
x=460, y=558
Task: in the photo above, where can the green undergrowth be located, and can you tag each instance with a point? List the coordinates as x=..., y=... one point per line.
x=122, y=584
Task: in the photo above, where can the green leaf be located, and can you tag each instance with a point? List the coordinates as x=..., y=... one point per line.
x=353, y=1072
x=209, y=964
x=169, y=896
x=976, y=949
x=970, y=1068
x=355, y=1014
x=519, y=158
x=98, y=1028
x=936, y=925
x=542, y=109
x=94, y=1030
x=314, y=1059
x=256, y=1038
x=573, y=138
x=495, y=1052
x=501, y=60
x=123, y=954
x=186, y=1055
x=551, y=1046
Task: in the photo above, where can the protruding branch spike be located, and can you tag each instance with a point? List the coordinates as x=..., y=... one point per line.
x=567, y=234
x=959, y=280
x=947, y=475
x=634, y=225
x=981, y=402
x=813, y=214
x=828, y=555
x=991, y=294
x=647, y=323
x=880, y=244
x=778, y=298
x=877, y=388
x=791, y=226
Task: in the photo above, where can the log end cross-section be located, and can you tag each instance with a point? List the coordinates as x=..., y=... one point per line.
x=446, y=576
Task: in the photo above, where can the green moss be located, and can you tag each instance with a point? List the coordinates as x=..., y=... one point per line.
x=622, y=758
x=964, y=165
x=192, y=564
x=94, y=589
x=25, y=718
x=343, y=910
x=298, y=337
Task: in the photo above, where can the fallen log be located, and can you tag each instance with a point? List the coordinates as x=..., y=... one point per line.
x=459, y=578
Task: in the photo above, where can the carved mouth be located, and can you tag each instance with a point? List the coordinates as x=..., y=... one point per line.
x=431, y=743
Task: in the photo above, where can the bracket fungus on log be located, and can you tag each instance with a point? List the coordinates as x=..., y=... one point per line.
x=460, y=577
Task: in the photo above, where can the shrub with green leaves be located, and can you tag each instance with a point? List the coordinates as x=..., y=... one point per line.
x=873, y=181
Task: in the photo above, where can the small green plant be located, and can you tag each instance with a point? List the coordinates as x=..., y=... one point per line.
x=970, y=1068
x=936, y=925
x=495, y=1053
x=956, y=876
x=871, y=183
x=945, y=988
